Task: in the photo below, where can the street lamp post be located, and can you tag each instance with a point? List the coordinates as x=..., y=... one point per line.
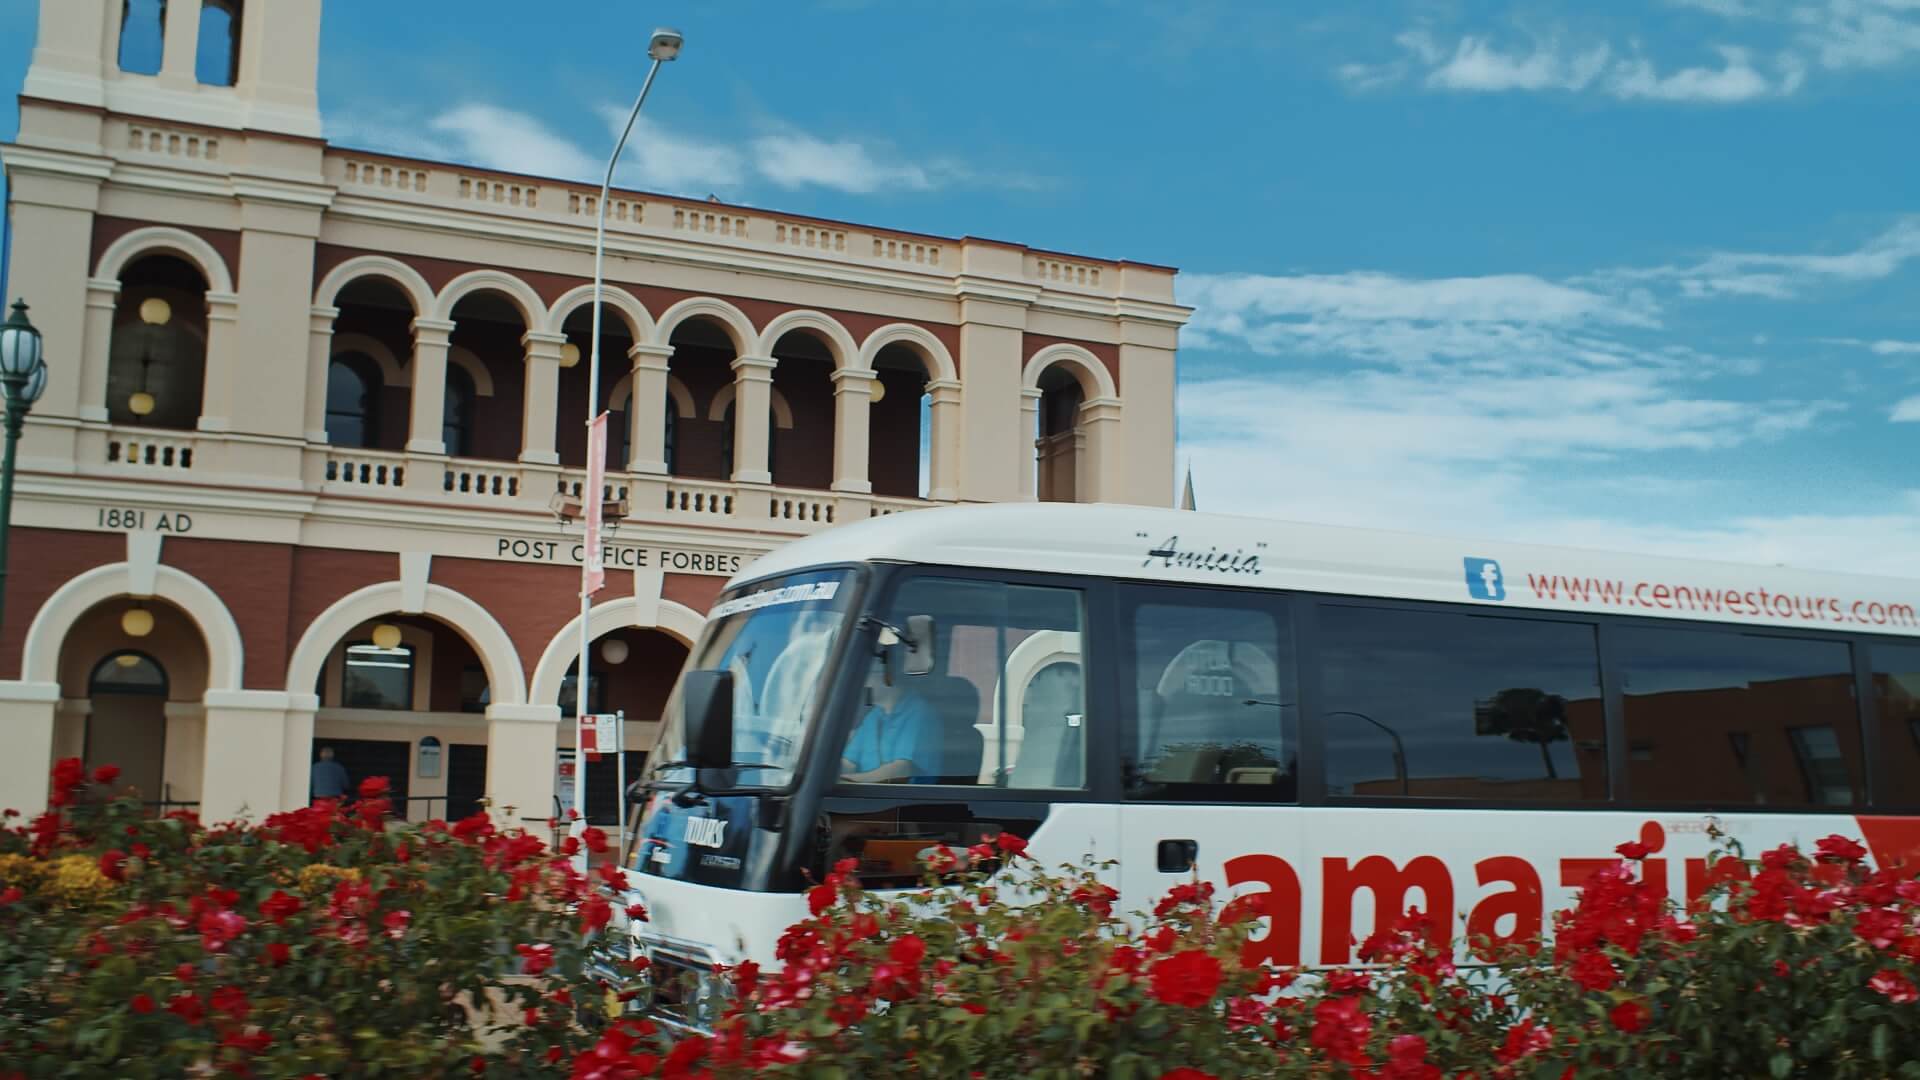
x=662, y=47
x=23, y=373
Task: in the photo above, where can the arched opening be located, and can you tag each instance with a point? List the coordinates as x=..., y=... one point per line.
x=803, y=456
x=702, y=361
x=403, y=696
x=218, y=59
x=1059, y=444
x=156, y=368
x=615, y=340
x=353, y=401
x=133, y=673
x=374, y=332
x=490, y=326
x=633, y=671
x=899, y=436
x=143, y=32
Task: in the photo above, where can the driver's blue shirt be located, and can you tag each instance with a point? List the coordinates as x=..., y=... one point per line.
x=910, y=732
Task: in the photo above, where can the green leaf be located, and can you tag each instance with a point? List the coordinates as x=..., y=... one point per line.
x=1781, y=1066
x=1882, y=1042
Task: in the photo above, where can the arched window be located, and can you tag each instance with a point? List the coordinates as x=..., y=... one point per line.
x=143, y=30
x=128, y=672
x=219, y=61
x=456, y=428
x=353, y=386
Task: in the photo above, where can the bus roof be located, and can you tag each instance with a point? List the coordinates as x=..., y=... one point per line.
x=1154, y=544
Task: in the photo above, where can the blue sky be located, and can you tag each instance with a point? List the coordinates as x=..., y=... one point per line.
x=1640, y=275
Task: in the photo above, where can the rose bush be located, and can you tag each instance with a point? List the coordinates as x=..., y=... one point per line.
x=323, y=941
x=329, y=942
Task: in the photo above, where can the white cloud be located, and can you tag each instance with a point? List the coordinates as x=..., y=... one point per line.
x=661, y=158
x=1907, y=412
x=1476, y=65
x=1735, y=81
x=1780, y=277
x=798, y=160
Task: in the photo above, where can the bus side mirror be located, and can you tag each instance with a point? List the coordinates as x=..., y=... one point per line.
x=706, y=699
x=920, y=655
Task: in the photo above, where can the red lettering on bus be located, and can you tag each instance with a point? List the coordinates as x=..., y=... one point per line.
x=1279, y=905
x=1524, y=901
x=1390, y=885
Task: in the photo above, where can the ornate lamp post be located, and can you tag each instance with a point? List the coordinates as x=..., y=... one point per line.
x=23, y=374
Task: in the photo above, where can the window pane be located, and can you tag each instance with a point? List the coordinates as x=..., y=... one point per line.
x=1896, y=692
x=1455, y=706
x=1730, y=719
x=378, y=678
x=1213, y=699
x=1005, y=688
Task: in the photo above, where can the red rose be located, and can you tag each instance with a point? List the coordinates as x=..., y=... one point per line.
x=11, y=896
x=278, y=954
x=396, y=923
x=1838, y=848
x=612, y=875
x=187, y=1007
x=280, y=907
x=106, y=774
x=1629, y=1016
x=975, y=1008
x=536, y=958
x=1897, y=987
x=141, y=1004
x=1187, y=978
x=68, y=774
x=112, y=864
x=820, y=898
x=907, y=949
x=1010, y=844
x=1340, y=1028
x=232, y=1001
x=595, y=839
x=637, y=912
x=1184, y=1073
x=1632, y=849
x=595, y=914
x=1595, y=972
x=375, y=787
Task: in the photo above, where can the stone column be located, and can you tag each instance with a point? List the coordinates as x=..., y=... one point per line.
x=522, y=742
x=1100, y=453
x=852, y=430
x=646, y=410
x=1147, y=359
x=992, y=336
x=943, y=441
x=541, y=397
x=319, y=358
x=96, y=350
x=296, y=759
x=26, y=726
x=1029, y=441
x=180, y=44
x=752, y=410
x=223, y=364
x=246, y=748
x=428, y=417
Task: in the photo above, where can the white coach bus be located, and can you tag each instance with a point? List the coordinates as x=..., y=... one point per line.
x=1337, y=724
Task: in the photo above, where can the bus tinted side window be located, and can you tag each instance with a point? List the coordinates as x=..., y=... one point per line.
x=1213, y=696
x=1896, y=691
x=1432, y=703
x=1733, y=719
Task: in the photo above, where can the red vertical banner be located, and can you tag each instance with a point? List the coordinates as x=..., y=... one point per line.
x=593, y=568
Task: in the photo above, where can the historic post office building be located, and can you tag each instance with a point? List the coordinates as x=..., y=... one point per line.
x=307, y=469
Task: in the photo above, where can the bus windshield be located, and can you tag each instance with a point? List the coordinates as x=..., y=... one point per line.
x=775, y=636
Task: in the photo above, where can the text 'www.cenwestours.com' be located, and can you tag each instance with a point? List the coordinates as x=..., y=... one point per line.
x=1761, y=602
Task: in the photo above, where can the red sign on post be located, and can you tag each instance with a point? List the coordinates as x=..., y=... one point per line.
x=590, y=736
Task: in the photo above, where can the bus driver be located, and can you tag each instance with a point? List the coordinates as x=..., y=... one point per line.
x=898, y=739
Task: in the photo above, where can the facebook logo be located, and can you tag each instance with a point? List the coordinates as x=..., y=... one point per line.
x=1484, y=581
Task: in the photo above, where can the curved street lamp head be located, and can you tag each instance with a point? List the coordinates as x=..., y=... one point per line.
x=665, y=44
x=19, y=344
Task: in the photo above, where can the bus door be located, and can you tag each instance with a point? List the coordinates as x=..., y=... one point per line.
x=1210, y=759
